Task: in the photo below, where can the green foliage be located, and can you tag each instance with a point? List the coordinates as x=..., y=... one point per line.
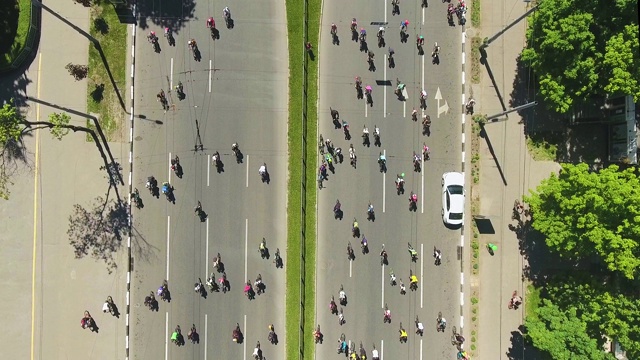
x=582, y=48
x=10, y=123
x=585, y=214
x=59, y=120
x=475, y=13
x=562, y=334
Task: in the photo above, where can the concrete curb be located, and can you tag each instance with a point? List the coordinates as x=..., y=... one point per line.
x=131, y=117
x=464, y=161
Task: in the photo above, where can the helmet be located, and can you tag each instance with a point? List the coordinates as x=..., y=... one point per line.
x=381, y=28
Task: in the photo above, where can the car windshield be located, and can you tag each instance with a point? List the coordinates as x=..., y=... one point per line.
x=455, y=216
x=456, y=189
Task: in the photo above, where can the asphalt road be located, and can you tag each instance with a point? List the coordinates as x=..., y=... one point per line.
x=365, y=281
x=237, y=92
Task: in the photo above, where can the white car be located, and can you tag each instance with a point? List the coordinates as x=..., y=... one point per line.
x=453, y=198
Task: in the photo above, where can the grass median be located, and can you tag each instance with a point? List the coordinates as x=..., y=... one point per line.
x=102, y=98
x=297, y=152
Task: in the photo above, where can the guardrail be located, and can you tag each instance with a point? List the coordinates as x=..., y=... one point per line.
x=30, y=42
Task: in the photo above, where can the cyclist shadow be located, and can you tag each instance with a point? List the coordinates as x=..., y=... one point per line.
x=336, y=40
x=230, y=24
x=215, y=34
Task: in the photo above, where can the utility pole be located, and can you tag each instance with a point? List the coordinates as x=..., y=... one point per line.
x=488, y=41
x=494, y=118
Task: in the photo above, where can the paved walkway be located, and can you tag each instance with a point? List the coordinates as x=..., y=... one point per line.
x=61, y=174
x=506, y=173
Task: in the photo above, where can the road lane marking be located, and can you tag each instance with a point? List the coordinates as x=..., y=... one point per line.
x=384, y=95
x=206, y=328
x=422, y=197
x=169, y=168
x=206, y=262
x=247, y=170
x=166, y=335
x=381, y=349
x=244, y=343
x=365, y=108
x=35, y=219
x=208, y=168
x=384, y=189
x=404, y=109
x=168, y=238
x=210, y=66
x=420, y=349
x=382, y=278
x=422, y=275
x=422, y=16
x=350, y=268
x=246, y=245
x=444, y=108
x=171, y=76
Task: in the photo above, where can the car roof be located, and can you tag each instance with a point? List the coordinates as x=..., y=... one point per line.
x=453, y=178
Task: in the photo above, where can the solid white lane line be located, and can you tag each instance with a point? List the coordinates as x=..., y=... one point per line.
x=206, y=328
x=404, y=109
x=210, y=68
x=168, y=243
x=245, y=336
x=350, y=268
x=246, y=245
x=365, y=108
x=422, y=275
x=382, y=278
x=420, y=349
x=422, y=186
x=171, y=76
x=166, y=335
x=169, y=177
x=384, y=188
x=206, y=258
x=247, y=170
x=422, y=16
x=381, y=349
x=384, y=95
x=208, y=168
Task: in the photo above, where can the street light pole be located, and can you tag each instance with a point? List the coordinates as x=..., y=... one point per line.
x=488, y=41
x=494, y=118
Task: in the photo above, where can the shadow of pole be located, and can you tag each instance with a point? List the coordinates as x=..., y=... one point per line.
x=483, y=61
x=98, y=128
x=484, y=134
x=95, y=43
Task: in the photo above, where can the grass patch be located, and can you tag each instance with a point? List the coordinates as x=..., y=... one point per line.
x=475, y=13
x=13, y=35
x=295, y=24
x=542, y=150
x=532, y=303
x=476, y=41
x=102, y=98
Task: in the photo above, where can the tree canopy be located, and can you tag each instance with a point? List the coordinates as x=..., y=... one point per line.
x=583, y=48
x=585, y=214
x=562, y=334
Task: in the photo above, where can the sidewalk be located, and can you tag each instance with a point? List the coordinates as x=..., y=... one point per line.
x=59, y=175
x=506, y=173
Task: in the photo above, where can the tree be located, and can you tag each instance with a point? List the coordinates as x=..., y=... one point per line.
x=582, y=48
x=608, y=306
x=14, y=126
x=585, y=214
x=562, y=334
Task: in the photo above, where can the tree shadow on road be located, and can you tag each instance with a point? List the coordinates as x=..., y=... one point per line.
x=172, y=14
x=98, y=231
x=521, y=349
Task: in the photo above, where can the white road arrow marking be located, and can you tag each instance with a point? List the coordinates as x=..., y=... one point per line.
x=444, y=108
